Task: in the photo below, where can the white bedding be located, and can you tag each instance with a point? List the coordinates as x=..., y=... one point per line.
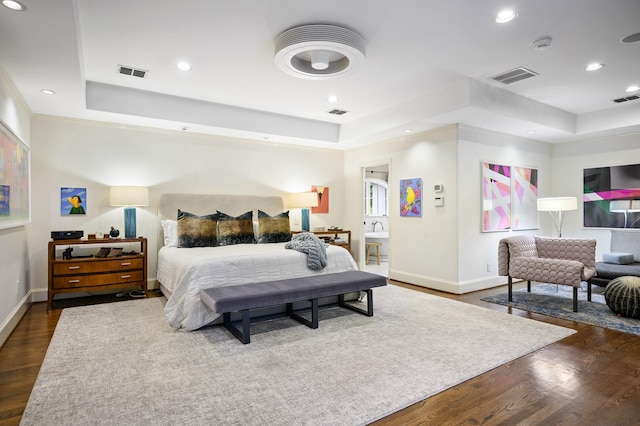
x=185, y=271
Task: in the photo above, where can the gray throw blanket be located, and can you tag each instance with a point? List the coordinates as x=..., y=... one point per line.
x=315, y=248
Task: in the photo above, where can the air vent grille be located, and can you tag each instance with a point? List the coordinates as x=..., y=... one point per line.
x=134, y=72
x=626, y=98
x=516, y=74
x=337, y=111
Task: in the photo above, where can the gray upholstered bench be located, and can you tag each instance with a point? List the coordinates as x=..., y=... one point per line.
x=242, y=298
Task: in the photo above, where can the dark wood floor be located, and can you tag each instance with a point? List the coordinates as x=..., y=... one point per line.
x=591, y=377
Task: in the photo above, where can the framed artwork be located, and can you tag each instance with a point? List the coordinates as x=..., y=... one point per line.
x=496, y=197
x=411, y=197
x=323, y=199
x=524, y=198
x=73, y=201
x=15, y=180
x=611, y=197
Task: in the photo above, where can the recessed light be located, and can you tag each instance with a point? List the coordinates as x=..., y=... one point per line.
x=48, y=92
x=333, y=99
x=14, y=5
x=595, y=66
x=632, y=88
x=183, y=66
x=530, y=132
x=505, y=16
x=408, y=130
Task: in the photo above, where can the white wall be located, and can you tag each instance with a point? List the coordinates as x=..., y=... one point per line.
x=569, y=161
x=74, y=153
x=14, y=258
x=423, y=250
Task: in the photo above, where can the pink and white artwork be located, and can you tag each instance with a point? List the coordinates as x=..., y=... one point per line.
x=496, y=197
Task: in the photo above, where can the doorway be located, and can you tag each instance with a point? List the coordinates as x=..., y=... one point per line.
x=376, y=219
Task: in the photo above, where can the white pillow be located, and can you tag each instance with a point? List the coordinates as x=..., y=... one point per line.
x=170, y=230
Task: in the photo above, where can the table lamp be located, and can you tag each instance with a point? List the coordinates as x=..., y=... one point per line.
x=129, y=197
x=304, y=201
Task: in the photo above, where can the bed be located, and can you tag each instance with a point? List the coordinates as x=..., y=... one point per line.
x=183, y=272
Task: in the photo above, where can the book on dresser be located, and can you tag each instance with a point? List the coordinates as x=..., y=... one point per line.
x=76, y=266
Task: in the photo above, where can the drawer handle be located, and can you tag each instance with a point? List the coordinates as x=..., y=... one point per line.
x=125, y=264
x=125, y=277
x=74, y=281
x=73, y=267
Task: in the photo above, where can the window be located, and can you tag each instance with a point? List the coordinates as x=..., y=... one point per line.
x=376, y=197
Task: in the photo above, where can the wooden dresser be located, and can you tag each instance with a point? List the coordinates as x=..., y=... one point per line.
x=92, y=273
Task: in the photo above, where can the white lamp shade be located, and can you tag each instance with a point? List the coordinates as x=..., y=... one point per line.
x=624, y=206
x=557, y=204
x=129, y=196
x=302, y=200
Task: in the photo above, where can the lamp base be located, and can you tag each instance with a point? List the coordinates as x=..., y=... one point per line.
x=130, y=222
x=305, y=220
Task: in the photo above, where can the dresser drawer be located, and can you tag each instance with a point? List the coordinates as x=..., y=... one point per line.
x=97, y=266
x=96, y=280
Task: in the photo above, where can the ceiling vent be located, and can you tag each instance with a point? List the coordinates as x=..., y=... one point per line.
x=514, y=75
x=122, y=69
x=336, y=111
x=626, y=98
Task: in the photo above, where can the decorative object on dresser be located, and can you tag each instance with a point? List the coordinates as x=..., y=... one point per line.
x=129, y=197
x=108, y=268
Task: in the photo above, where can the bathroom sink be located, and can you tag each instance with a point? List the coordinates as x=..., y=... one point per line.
x=382, y=234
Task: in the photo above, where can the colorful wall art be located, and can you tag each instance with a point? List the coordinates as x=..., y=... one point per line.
x=323, y=199
x=496, y=197
x=524, y=198
x=411, y=197
x=73, y=201
x=611, y=197
x=15, y=163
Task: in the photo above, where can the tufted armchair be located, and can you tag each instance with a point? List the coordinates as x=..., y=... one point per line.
x=566, y=261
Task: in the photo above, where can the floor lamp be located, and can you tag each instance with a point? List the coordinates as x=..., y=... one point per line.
x=129, y=197
x=304, y=201
x=558, y=205
x=626, y=207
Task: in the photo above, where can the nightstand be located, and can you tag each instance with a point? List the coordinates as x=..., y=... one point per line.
x=89, y=273
x=333, y=236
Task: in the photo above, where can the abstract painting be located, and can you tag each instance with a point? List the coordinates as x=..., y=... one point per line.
x=524, y=198
x=496, y=197
x=411, y=197
x=611, y=197
x=323, y=199
x=15, y=176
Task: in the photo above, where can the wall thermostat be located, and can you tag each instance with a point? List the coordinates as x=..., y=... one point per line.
x=438, y=187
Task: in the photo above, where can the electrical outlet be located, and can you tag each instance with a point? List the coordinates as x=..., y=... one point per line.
x=488, y=267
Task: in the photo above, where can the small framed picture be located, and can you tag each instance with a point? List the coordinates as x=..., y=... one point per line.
x=73, y=201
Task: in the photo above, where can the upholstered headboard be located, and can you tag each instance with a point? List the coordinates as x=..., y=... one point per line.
x=203, y=204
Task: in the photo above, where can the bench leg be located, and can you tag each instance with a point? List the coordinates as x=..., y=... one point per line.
x=245, y=335
x=314, y=314
x=368, y=312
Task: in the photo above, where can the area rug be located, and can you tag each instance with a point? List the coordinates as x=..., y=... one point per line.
x=120, y=363
x=551, y=300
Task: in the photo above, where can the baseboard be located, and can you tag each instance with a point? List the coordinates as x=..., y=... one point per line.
x=14, y=318
x=39, y=295
x=445, y=285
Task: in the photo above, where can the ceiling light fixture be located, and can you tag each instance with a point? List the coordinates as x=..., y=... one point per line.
x=505, y=16
x=48, y=92
x=595, y=66
x=632, y=88
x=183, y=66
x=319, y=51
x=14, y=5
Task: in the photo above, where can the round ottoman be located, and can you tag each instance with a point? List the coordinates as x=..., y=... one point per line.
x=622, y=295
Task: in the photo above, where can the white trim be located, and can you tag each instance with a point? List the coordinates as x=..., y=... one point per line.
x=14, y=318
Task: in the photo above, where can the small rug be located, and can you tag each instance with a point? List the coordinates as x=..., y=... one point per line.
x=120, y=363
x=551, y=300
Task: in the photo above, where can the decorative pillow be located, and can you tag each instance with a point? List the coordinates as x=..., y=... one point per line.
x=273, y=229
x=197, y=231
x=618, y=258
x=170, y=231
x=235, y=230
